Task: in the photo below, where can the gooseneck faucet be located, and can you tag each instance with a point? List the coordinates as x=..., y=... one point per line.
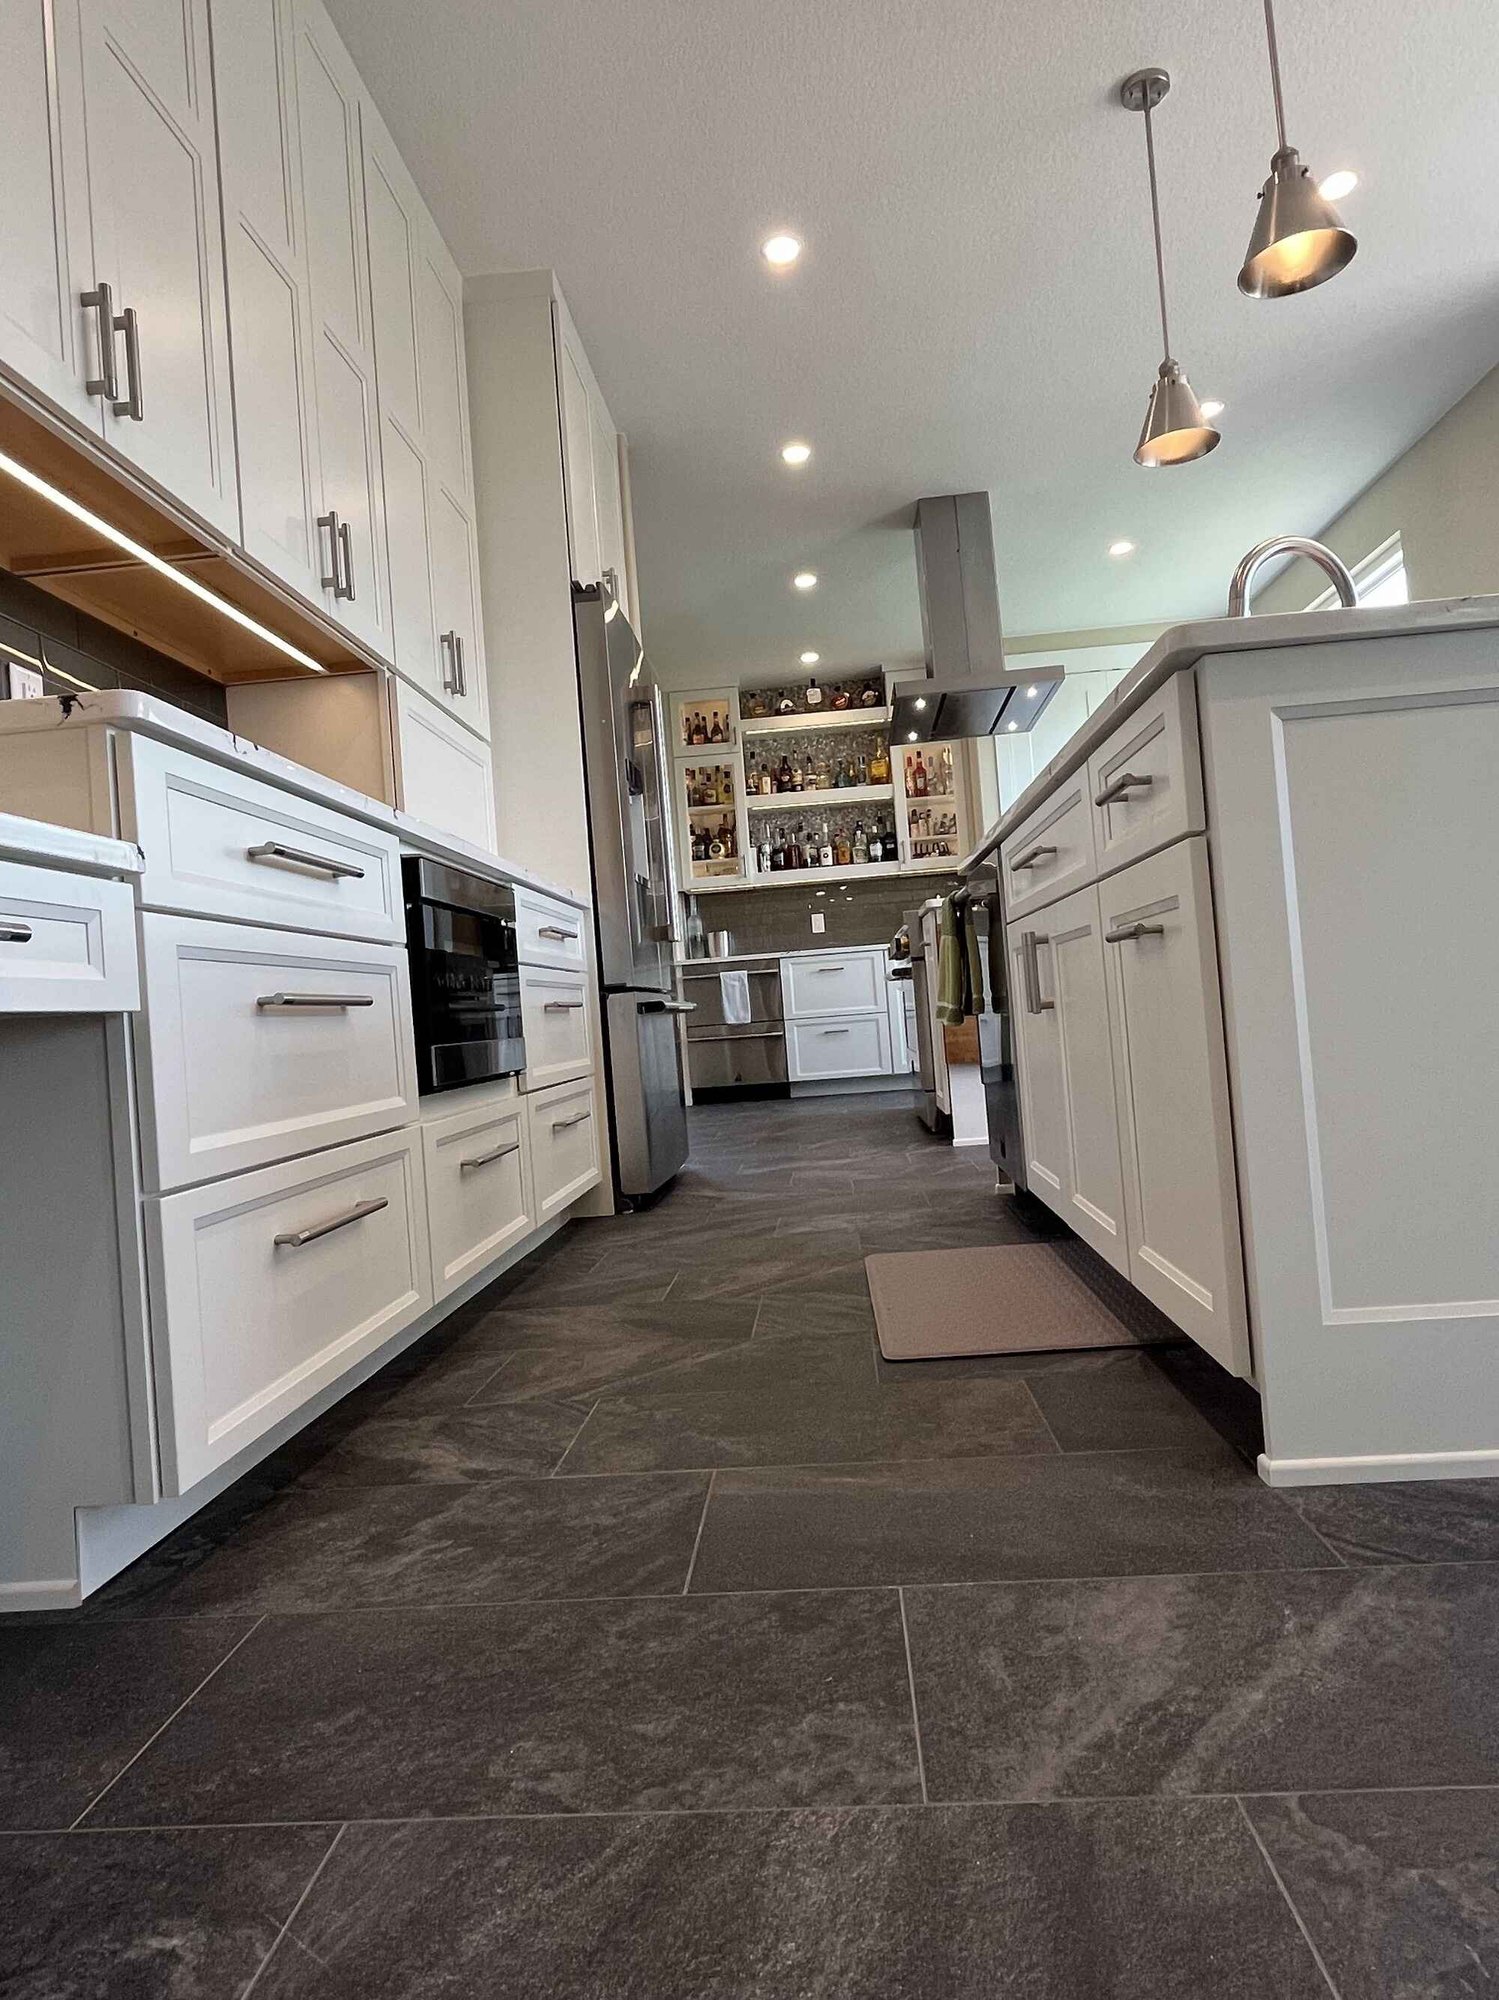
x=1332, y=566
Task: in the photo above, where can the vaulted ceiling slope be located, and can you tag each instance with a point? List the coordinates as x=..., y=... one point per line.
x=975, y=306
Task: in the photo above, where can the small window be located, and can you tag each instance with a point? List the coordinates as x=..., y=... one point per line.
x=1379, y=579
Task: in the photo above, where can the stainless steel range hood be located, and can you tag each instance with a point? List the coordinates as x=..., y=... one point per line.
x=969, y=689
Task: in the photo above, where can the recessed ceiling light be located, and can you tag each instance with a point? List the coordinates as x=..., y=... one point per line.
x=805, y=579
x=1121, y=548
x=810, y=659
x=1344, y=181
x=796, y=453
x=1031, y=692
x=1213, y=408
x=920, y=702
x=1012, y=725
x=781, y=251
x=913, y=735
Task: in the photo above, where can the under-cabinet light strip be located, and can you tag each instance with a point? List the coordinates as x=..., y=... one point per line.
x=34, y=483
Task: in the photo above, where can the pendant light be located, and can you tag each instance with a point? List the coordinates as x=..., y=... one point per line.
x=1175, y=430
x=1298, y=240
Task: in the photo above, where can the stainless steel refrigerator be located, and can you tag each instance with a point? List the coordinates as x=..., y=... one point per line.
x=626, y=767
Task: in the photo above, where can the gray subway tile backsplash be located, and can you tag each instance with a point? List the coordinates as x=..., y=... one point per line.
x=865, y=912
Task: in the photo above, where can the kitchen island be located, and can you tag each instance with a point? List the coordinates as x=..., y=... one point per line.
x=1251, y=930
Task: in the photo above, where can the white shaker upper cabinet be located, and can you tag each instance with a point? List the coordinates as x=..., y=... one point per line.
x=46, y=337
x=153, y=181
x=590, y=465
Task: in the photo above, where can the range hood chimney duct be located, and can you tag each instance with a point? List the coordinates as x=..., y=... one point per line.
x=969, y=690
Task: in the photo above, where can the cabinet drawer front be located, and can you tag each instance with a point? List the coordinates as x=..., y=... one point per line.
x=445, y=769
x=67, y=944
x=556, y=1020
x=221, y=844
x=1052, y=854
x=564, y=1147
x=1145, y=783
x=478, y=1191
x=245, y=1327
x=1171, y=1079
x=858, y=1045
x=250, y=1057
x=548, y=933
x=838, y=983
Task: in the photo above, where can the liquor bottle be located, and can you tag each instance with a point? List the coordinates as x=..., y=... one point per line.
x=825, y=850
x=699, y=730
x=861, y=845
x=824, y=776
x=716, y=733
x=798, y=782
x=870, y=698
x=947, y=774
x=767, y=780
x=726, y=837
x=689, y=779
x=843, y=852
x=876, y=846
x=879, y=763
x=786, y=706
x=764, y=854
x=814, y=695
x=863, y=770
x=778, y=854
x=841, y=698
x=783, y=776
x=918, y=778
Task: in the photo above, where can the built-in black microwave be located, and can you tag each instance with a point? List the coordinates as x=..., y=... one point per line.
x=465, y=979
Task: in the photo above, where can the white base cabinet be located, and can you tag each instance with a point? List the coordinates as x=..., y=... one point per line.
x=443, y=771
x=565, y=1149
x=1171, y=1087
x=824, y=1050
x=67, y=943
x=479, y=1199
x=268, y=1286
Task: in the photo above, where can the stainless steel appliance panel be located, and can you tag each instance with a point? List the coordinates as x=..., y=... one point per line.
x=705, y=991
x=997, y=1031
x=647, y=1098
x=737, y=1058
x=465, y=979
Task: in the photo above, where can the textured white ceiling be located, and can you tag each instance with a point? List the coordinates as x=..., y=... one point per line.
x=976, y=306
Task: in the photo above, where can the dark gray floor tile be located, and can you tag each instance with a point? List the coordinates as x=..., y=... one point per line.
x=133, y=1916
x=765, y=1366
x=1290, y=1682
x=765, y=1700
x=558, y=1284
x=816, y=1313
x=432, y=1375
x=979, y=1367
x=1437, y=1520
x=1232, y=1407
x=77, y=1701
x=780, y=1273
x=804, y=1423
x=1149, y=1901
x=430, y=1544
x=1399, y=1890
x=1119, y=1513
x=520, y=1325
x=449, y=1447
x=1123, y=1404
x=612, y=1363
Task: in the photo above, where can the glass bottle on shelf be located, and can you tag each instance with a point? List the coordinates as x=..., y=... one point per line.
x=785, y=705
x=716, y=733
x=863, y=770
x=918, y=778
x=825, y=848
x=777, y=853
x=843, y=852
x=767, y=779
x=824, y=773
x=813, y=695
x=798, y=783
x=879, y=763
x=876, y=846
x=860, y=846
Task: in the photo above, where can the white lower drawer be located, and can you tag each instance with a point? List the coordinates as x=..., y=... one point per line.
x=258, y=1045
x=858, y=1045
x=556, y=1020
x=67, y=943
x=478, y=1190
x=564, y=1146
x=268, y=1286
x=840, y=982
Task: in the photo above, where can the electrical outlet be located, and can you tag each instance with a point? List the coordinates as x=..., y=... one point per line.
x=25, y=682
x=819, y=923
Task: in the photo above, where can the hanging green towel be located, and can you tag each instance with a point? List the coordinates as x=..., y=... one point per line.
x=952, y=965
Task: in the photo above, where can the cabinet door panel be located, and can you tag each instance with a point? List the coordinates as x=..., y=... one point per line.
x=445, y=774
x=1038, y=1049
x=439, y=324
x=393, y=253
x=577, y=465
x=41, y=323
x=350, y=453
x=608, y=511
x=1171, y=1080
x=409, y=536
x=153, y=177
x=456, y=604
x=1073, y=955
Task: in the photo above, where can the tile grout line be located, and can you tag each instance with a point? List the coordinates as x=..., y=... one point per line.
x=1289, y=1900
x=1317, y=1534
x=571, y=1441
x=254, y=1979
x=905, y=1633
x=169, y=1720
x=488, y=1382
x=697, y=1540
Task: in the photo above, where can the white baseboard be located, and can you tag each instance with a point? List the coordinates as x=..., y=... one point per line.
x=1384, y=1467
x=48, y=1593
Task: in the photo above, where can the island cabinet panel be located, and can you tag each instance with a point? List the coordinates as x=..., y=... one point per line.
x=1171, y=1086
x=1072, y=1133
x=479, y=1200
x=268, y=1286
x=1051, y=853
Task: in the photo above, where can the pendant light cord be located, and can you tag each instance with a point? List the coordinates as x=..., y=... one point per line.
x=1280, y=109
x=1155, y=219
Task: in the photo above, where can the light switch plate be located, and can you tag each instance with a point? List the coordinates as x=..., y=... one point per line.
x=819, y=923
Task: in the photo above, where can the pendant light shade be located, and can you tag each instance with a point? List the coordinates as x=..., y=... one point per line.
x=1175, y=430
x=1298, y=239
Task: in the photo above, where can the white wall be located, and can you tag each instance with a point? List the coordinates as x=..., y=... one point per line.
x=1091, y=672
x=1439, y=497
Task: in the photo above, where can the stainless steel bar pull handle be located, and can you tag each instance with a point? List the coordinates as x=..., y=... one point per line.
x=1031, y=856
x=830, y=968
x=278, y=1002
x=447, y=645
x=130, y=404
x=487, y=1159
x=344, y=559
x=834, y=1031
x=561, y=1006
x=100, y=301
x=275, y=850
x=329, y=581
x=561, y=1124
x=458, y=667
x=555, y=931
x=11, y=933
x=1030, y=953
x=668, y=1007
x=1125, y=932
x=1127, y=781
x=293, y=1239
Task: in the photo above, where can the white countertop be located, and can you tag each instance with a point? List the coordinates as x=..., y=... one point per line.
x=746, y=957
x=1184, y=645
x=42, y=845
x=148, y=715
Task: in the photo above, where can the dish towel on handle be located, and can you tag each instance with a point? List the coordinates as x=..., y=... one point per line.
x=733, y=989
x=952, y=964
